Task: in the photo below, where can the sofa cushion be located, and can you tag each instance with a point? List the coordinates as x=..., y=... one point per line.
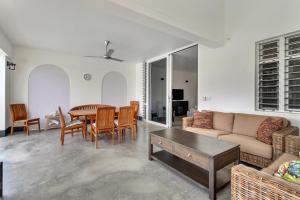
x=249, y=145
x=283, y=158
x=208, y=132
x=223, y=121
x=267, y=128
x=247, y=124
x=203, y=120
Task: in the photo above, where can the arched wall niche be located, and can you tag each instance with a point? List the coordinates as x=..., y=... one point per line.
x=114, y=89
x=48, y=88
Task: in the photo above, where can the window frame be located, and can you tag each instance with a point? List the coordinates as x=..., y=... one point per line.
x=283, y=101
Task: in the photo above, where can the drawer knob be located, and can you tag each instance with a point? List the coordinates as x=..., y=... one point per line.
x=189, y=155
x=160, y=142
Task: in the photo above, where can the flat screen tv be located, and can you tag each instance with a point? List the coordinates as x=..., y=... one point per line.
x=177, y=94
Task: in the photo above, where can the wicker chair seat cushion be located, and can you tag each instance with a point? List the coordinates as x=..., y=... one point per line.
x=203, y=120
x=73, y=123
x=249, y=145
x=283, y=158
x=267, y=128
x=207, y=132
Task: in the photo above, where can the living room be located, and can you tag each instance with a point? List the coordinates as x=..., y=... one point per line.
x=67, y=54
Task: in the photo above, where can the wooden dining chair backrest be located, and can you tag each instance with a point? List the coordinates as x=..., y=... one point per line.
x=125, y=116
x=18, y=112
x=105, y=117
x=61, y=118
x=135, y=105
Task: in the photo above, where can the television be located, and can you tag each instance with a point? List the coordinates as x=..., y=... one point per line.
x=177, y=94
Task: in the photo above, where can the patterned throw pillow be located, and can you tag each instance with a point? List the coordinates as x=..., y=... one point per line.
x=267, y=128
x=203, y=120
x=289, y=171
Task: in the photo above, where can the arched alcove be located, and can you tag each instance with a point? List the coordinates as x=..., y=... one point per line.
x=114, y=89
x=48, y=88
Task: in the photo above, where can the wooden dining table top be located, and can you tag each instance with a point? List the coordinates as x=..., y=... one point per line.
x=86, y=112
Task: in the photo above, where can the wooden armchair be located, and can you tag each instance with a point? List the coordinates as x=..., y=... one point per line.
x=104, y=123
x=19, y=115
x=125, y=121
x=135, y=105
x=69, y=127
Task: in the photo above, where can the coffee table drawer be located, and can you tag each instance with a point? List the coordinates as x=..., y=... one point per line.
x=161, y=142
x=191, y=156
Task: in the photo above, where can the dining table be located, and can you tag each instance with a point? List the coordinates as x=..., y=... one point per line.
x=88, y=114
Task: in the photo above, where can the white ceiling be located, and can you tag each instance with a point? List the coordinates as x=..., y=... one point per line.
x=79, y=27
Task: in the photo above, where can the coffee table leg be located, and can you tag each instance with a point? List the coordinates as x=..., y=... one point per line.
x=212, y=179
x=150, y=151
x=238, y=157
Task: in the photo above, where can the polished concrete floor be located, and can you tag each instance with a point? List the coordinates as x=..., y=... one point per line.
x=39, y=168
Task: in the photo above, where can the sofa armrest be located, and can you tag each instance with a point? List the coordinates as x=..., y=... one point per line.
x=187, y=121
x=279, y=139
x=249, y=183
x=292, y=145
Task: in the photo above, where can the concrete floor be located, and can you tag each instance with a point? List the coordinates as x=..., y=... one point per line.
x=38, y=167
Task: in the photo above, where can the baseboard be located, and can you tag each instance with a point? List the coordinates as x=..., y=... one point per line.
x=6, y=132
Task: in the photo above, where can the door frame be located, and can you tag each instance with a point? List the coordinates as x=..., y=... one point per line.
x=169, y=85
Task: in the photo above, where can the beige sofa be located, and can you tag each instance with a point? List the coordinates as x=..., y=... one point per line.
x=241, y=129
x=248, y=183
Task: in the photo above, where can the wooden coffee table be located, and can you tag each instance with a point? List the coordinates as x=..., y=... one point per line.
x=194, y=156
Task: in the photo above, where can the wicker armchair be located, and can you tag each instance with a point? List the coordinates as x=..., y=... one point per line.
x=248, y=183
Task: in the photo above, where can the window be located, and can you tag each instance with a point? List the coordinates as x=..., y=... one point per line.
x=278, y=73
x=292, y=72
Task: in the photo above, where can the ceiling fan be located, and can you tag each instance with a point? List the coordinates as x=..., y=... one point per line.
x=108, y=53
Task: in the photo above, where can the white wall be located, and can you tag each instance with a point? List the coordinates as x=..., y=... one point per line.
x=48, y=88
x=114, y=89
x=227, y=74
x=190, y=88
x=5, y=44
x=2, y=92
x=81, y=91
x=6, y=48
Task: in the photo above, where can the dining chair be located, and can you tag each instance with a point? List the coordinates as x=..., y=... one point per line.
x=69, y=127
x=125, y=121
x=135, y=105
x=104, y=123
x=19, y=118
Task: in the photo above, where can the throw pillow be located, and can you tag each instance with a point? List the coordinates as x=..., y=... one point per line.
x=267, y=128
x=289, y=171
x=203, y=120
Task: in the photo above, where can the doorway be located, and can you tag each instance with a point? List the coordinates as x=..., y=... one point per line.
x=157, y=101
x=184, y=84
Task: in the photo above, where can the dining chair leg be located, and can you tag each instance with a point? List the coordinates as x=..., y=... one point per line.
x=119, y=135
x=113, y=137
x=96, y=141
x=83, y=133
x=27, y=129
x=12, y=129
x=62, y=137
x=39, y=125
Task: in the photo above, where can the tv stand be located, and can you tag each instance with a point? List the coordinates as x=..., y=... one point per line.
x=180, y=107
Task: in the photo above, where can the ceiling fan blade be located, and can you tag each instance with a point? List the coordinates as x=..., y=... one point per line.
x=110, y=52
x=116, y=59
x=93, y=56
